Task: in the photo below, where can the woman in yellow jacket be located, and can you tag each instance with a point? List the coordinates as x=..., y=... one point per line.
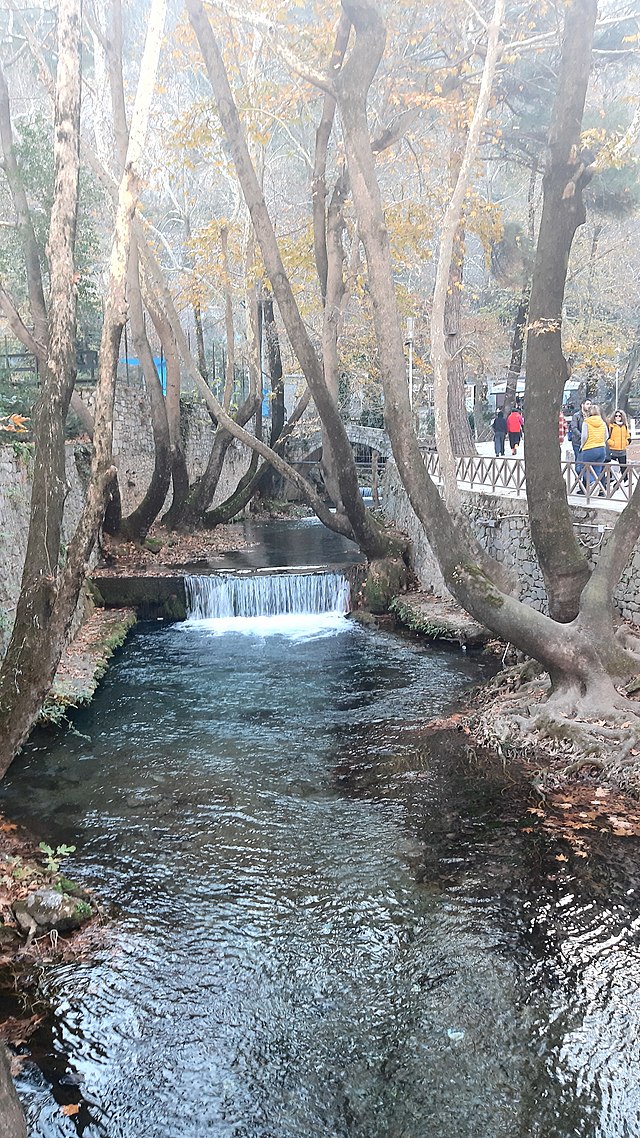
x=594, y=445
x=619, y=439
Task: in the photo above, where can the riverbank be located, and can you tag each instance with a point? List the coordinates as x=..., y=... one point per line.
x=509, y=713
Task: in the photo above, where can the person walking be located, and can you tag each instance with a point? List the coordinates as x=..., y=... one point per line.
x=499, y=427
x=619, y=439
x=594, y=445
x=515, y=428
x=575, y=429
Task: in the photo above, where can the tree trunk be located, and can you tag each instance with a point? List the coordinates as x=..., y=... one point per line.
x=48, y=599
x=562, y=562
x=461, y=437
x=202, y=355
x=522, y=311
x=631, y=370
x=136, y=526
x=368, y=535
x=179, y=472
x=12, y=1123
x=30, y=659
x=274, y=367
x=451, y=221
x=462, y=440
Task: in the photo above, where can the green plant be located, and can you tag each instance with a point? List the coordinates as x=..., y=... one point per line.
x=53, y=857
x=83, y=910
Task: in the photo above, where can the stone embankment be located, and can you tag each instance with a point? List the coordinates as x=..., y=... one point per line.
x=502, y=527
x=133, y=454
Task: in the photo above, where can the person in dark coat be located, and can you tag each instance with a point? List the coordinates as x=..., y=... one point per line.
x=499, y=427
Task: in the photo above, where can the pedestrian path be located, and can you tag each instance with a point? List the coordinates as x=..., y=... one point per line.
x=504, y=477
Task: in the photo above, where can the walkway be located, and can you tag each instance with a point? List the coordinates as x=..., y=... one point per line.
x=505, y=477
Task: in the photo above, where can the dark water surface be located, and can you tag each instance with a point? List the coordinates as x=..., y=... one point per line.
x=285, y=544
x=330, y=927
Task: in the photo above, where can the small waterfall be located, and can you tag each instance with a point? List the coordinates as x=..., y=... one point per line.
x=224, y=596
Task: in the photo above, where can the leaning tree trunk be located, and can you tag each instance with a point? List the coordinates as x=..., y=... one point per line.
x=367, y=533
x=563, y=564
x=137, y=524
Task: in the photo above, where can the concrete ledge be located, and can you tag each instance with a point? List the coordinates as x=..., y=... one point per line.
x=438, y=619
x=151, y=597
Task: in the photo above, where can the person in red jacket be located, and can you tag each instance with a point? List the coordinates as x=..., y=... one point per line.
x=515, y=427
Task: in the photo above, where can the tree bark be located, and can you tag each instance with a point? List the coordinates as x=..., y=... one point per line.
x=563, y=565
x=12, y=1122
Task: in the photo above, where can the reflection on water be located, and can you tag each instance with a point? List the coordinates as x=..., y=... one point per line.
x=329, y=924
x=286, y=544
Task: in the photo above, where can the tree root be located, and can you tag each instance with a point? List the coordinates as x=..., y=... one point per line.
x=579, y=764
x=570, y=730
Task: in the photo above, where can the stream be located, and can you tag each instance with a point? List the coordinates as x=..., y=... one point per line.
x=326, y=923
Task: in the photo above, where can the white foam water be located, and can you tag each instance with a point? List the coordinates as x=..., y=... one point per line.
x=297, y=605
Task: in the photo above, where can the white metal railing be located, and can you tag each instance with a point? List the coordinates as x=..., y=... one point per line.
x=505, y=475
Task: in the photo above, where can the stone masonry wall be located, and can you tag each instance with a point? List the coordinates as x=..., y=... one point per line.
x=134, y=457
x=502, y=527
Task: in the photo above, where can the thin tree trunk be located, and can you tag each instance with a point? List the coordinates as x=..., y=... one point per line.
x=31, y=252
x=562, y=562
x=462, y=440
x=522, y=311
x=179, y=471
x=448, y=465
x=202, y=355
x=228, y=321
x=368, y=535
x=631, y=370
x=136, y=526
x=274, y=367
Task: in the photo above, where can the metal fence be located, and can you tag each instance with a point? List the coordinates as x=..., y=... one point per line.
x=505, y=476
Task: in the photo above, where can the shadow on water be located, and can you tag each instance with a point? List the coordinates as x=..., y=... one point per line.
x=330, y=923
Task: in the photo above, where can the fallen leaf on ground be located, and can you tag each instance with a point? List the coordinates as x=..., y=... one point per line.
x=70, y=1108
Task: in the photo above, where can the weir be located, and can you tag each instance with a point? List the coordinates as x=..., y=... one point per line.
x=221, y=596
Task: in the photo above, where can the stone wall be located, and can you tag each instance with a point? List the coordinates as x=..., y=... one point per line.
x=502, y=527
x=133, y=450
x=134, y=457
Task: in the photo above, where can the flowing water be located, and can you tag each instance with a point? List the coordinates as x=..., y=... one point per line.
x=329, y=924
